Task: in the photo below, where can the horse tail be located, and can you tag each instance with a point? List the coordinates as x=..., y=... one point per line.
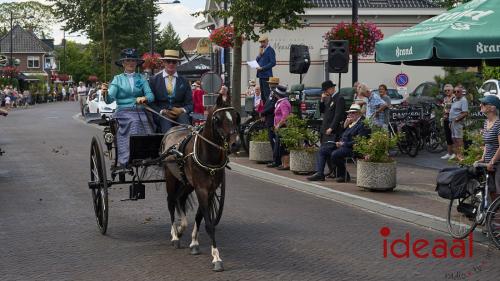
x=184, y=200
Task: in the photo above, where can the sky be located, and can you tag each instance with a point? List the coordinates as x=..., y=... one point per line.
x=178, y=14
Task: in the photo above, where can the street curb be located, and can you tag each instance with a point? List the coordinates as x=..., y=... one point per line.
x=370, y=205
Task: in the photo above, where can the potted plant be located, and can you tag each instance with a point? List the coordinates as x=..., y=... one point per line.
x=260, y=149
x=377, y=170
x=301, y=143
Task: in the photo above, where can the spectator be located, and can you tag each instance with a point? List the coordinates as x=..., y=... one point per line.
x=491, y=136
x=82, y=94
x=198, y=98
x=458, y=111
x=267, y=60
x=8, y=102
x=257, y=100
x=71, y=92
x=375, y=106
x=354, y=126
x=332, y=106
x=63, y=92
x=281, y=112
x=447, y=101
x=268, y=115
x=251, y=89
x=382, y=90
x=224, y=99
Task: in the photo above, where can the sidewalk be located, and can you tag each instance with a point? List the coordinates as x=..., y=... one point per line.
x=413, y=200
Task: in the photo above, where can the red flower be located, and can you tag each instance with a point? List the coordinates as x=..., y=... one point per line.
x=361, y=36
x=10, y=72
x=223, y=36
x=151, y=61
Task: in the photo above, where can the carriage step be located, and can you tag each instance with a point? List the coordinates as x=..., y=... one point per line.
x=137, y=191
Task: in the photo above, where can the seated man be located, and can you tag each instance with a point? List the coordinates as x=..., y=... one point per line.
x=354, y=126
x=173, y=95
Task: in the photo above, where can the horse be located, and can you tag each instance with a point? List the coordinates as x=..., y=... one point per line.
x=197, y=162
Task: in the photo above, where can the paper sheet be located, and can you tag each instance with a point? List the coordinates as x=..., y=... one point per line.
x=253, y=64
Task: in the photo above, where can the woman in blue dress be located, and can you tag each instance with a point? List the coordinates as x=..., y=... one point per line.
x=130, y=90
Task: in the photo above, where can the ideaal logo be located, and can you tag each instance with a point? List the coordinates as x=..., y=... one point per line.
x=403, y=248
x=404, y=52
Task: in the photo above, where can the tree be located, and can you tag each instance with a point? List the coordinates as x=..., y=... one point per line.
x=266, y=15
x=80, y=61
x=168, y=39
x=125, y=23
x=448, y=4
x=42, y=16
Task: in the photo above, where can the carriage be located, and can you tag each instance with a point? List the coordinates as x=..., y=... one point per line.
x=144, y=154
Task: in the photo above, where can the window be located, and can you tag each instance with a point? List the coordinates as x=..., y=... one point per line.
x=33, y=62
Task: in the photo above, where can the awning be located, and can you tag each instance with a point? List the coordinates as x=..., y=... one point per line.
x=464, y=36
x=31, y=76
x=195, y=67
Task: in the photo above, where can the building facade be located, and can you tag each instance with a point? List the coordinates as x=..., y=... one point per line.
x=391, y=16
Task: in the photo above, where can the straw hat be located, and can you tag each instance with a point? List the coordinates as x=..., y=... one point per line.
x=263, y=38
x=354, y=108
x=170, y=55
x=273, y=80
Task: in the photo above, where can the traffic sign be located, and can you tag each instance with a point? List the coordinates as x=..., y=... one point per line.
x=402, y=79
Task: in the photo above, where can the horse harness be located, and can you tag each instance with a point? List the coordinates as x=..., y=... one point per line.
x=178, y=150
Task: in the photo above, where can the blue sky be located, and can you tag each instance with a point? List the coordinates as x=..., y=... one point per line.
x=178, y=14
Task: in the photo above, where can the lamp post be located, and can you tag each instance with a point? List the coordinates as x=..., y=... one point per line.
x=63, y=68
x=152, y=43
x=354, y=56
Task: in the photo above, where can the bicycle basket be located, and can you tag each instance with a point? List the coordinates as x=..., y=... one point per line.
x=452, y=183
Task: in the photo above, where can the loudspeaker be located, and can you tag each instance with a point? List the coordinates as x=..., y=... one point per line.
x=299, y=59
x=338, y=56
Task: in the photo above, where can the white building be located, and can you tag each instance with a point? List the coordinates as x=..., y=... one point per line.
x=390, y=16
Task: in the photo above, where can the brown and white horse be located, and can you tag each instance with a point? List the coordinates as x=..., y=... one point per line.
x=199, y=167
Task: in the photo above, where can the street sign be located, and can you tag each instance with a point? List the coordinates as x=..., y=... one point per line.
x=3, y=60
x=402, y=91
x=211, y=82
x=402, y=79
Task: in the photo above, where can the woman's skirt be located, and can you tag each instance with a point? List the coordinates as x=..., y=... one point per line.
x=131, y=121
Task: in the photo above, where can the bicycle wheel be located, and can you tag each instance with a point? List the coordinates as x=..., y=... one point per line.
x=493, y=222
x=462, y=213
x=412, y=142
x=252, y=128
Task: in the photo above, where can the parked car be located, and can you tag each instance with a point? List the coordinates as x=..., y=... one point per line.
x=490, y=87
x=425, y=93
x=396, y=97
x=96, y=104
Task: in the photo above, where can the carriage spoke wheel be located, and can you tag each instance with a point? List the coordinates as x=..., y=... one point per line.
x=100, y=193
x=216, y=204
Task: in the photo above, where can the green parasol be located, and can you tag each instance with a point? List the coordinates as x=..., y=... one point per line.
x=463, y=36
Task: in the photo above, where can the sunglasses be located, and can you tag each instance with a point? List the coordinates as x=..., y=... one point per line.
x=170, y=61
x=457, y=91
x=448, y=90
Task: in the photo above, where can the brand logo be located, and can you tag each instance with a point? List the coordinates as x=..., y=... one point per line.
x=484, y=48
x=404, y=52
x=473, y=15
x=403, y=248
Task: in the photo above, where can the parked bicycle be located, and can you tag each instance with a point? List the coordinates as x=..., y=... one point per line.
x=470, y=206
x=408, y=141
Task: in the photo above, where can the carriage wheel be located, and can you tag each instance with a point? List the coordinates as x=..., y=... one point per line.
x=217, y=201
x=100, y=191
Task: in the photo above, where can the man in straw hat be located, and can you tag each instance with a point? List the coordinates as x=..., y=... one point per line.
x=338, y=150
x=267, y=60
x=173, y=95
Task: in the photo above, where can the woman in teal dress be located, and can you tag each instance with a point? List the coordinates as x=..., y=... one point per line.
x=130, y=90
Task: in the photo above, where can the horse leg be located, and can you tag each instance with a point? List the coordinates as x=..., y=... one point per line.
x=171, y=199
x=182, y=212
x=203, y=201
x=195, y=245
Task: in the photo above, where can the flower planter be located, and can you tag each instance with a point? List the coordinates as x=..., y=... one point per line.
x=376, y=176
x=260, y=151
x=303, y=161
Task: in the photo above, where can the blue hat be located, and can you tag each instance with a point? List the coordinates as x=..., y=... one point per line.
x=129, y=54
x=491, y=99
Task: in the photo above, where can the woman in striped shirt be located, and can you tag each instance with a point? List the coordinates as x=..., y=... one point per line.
x=491, y=136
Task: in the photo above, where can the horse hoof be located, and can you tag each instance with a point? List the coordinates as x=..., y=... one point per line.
x=176, y=244
x=195, y=250
x=218, y=267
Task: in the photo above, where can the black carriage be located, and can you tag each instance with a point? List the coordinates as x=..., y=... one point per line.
x=144, y=153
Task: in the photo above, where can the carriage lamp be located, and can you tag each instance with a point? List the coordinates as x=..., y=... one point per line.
x=109, y=138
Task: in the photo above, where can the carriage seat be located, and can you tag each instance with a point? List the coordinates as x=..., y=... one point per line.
x=145, y=147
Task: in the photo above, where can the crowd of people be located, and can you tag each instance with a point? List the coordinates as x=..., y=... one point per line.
x=11, y=97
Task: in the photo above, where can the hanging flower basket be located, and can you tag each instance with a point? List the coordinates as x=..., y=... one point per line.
x=223, y=36
x=10, y=72
x=151, y=61
x=361, y=36
x=93, y=78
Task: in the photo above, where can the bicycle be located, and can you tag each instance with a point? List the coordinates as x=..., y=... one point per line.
x=473, y=209
x=408, y=141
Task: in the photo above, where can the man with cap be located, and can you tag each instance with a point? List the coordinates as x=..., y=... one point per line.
x=173, y=95
x=332, y=106
x=268, y=115
x=338, y=150
x=266, y=60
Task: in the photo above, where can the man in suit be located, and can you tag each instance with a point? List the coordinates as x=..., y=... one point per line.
x=268, y=116
x=332, y=106
x=266, y=60
x=173, y=96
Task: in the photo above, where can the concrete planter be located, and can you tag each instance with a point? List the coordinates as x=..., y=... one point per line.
x=260, y=151
x=302, y=161
x=376, y=176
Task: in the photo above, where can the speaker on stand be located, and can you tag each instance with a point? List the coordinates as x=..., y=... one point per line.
x=300, y=60
x=338, y=57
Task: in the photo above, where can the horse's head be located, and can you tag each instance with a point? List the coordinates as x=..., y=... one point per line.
x=226, y=124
